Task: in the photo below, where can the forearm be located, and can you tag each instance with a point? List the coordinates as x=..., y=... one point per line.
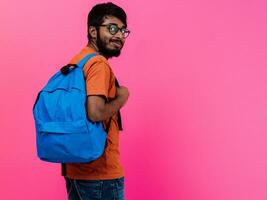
x=109, y=109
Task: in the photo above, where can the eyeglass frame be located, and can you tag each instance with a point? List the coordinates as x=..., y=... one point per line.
x=119, y=29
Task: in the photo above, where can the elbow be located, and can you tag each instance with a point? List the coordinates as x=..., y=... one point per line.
x=94, y=115
x=92, y=118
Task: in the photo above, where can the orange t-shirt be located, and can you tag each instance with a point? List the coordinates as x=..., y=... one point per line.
x=100, y=80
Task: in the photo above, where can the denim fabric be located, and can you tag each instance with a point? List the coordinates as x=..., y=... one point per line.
x=95, y=189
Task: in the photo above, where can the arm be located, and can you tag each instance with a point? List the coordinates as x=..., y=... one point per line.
x=98, y=110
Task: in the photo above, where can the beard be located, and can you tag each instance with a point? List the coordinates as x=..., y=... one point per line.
x=102, y=47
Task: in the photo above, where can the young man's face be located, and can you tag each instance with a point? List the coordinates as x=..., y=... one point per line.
x=108, y=43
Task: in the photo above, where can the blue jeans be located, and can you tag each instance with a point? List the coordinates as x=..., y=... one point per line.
x=95, y=189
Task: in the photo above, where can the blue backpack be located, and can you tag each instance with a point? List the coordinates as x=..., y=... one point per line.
x=64, y=134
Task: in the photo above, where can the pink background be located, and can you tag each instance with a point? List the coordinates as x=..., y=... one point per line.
x=195, y=124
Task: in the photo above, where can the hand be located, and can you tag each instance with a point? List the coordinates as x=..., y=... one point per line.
x=123, y=93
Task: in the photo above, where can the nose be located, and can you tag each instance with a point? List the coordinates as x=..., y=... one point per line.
x=119, y=34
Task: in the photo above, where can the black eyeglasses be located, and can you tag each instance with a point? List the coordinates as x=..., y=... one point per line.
x=113, y=29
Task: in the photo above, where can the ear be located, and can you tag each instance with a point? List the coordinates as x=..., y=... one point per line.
x=92, y=31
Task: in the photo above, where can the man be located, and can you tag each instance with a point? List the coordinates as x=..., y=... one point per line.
x=103, y=178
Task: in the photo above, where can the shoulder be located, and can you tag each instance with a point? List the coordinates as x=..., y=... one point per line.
x=98, y=63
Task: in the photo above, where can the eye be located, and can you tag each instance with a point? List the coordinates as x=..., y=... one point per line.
x=113, y=29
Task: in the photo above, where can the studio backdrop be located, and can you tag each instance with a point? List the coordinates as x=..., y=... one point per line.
x=195, y=123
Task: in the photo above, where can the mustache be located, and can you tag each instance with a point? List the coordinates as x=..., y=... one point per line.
x=118, y=41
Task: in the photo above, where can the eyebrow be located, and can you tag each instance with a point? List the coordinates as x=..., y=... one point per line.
x=117, y=25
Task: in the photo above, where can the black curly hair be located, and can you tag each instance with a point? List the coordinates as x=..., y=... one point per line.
x=99, y=11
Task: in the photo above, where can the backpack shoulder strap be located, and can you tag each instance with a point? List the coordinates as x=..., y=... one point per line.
x=81, y=65
x=65, y=69
x=119, y=113
x=85, y=59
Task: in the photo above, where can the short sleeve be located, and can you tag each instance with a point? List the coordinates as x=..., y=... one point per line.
x=98, y=79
